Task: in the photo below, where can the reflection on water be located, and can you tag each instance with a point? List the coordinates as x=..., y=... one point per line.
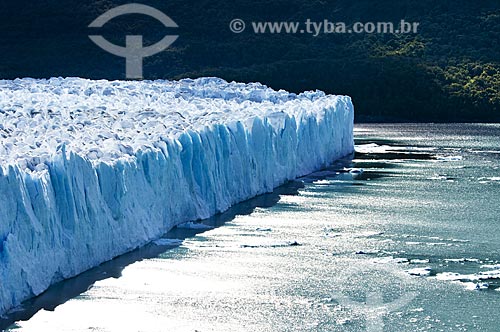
x=403, y=237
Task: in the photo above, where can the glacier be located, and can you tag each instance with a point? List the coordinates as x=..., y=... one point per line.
x=91, y=169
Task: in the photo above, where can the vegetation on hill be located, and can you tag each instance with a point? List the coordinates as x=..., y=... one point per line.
x=448, y=71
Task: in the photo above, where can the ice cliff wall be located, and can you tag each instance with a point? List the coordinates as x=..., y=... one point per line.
x=93, y=169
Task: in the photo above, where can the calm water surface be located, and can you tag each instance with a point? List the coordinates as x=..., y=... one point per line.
x=404, y=237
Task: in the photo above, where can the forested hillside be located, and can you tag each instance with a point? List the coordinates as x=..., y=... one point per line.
x=448, y=71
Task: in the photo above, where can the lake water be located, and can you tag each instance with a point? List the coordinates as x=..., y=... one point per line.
x=404, y=237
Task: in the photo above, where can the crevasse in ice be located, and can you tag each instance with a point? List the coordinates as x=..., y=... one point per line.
x=93, y=169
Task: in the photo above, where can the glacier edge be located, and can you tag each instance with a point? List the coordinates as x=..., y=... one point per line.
x=76, y=214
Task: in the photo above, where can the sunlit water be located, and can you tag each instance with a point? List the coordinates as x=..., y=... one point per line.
x=403, y=238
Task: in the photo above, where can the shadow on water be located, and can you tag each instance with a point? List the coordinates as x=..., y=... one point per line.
x=65, y=290
x=378, y=141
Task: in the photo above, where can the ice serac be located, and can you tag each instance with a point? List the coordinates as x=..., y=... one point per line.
x=93, y=169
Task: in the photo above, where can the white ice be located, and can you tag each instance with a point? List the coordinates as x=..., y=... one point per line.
x=92, y=169
x=420, y=271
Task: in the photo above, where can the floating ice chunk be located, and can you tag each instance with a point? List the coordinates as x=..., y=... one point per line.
x=449, y=158
x=193, y=225
x=323, y=182
x=485, y=151
x=381, y=149
x=476, y=286
x=343, y=321
x=484, y=275
x=167, y=242
x=452, y=276
x=486, y=179
x=371, y=148
x=354, y=170
x=438, y=177
x=271, y=244
x=400, y=260
x=461, y=241
x=367, y=252
x=440, y=244
x=461, y=260
x=420, y=271
x=491, y=266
